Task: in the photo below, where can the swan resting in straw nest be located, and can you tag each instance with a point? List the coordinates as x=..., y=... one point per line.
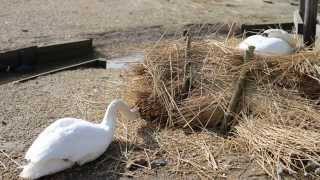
x=70, y=141
x=272, y=42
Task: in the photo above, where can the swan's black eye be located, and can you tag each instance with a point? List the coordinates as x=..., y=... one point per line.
x=265, y=34
x=66, y=160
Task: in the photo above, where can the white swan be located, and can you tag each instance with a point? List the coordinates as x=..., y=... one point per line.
x=272, y=42
x=68, y=141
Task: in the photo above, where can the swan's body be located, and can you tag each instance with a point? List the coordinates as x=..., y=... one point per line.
x=69, y=141
x=272, y=42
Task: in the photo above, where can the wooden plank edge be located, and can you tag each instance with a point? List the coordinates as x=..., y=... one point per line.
x=252, y=29
x=35, y=54
x=97, y=62
x=298, y=22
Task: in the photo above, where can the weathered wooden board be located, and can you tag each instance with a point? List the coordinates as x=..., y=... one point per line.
x=100, y=62
x=252, y=29
x=310, y=22
x=298, y=22
x=62, y=52
x=49, y=54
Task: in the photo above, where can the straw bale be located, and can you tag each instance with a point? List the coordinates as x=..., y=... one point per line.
x=278, y=118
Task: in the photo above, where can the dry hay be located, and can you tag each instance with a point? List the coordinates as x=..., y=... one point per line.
x=277, y=120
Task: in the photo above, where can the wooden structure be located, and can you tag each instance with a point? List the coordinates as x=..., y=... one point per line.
x=31, y=62
x=252, y=29
x=94, y=62
x=26, y=59
x=305, y=20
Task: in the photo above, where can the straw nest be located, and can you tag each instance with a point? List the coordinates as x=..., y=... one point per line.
x=278, y=118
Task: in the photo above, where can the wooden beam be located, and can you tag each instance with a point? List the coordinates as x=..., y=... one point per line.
x=65, y=51
x=96, y=62
x=302, y=8
x=252, y=29
x=9, y=59
x=49, y=54
x=310, y=22
x=298, y=22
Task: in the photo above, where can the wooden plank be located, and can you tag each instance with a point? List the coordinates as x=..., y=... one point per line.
x=62, y=52
x=86, y=43
x=252, y=29
x=9, y=59
x=302, y=8
x=317, y=31
x=28, y=56
x=96, y=62
x=51, y=54
x=298, y=22
x=18, y=57
x=310, y=21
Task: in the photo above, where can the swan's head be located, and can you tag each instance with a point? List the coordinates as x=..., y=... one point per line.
x=115, y=106
x=133, y=114
x=118, y=104
x=281, y=34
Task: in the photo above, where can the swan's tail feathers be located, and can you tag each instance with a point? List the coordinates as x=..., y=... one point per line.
x=36, y=170
x=29, y=172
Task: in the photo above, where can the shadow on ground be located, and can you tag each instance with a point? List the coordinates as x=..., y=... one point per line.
x=110, y=165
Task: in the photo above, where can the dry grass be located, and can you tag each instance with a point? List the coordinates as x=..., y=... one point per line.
x=277, y=120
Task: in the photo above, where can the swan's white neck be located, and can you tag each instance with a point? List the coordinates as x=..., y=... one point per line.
x=110, y=117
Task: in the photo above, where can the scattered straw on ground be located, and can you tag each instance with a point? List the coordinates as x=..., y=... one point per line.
x=277, y=120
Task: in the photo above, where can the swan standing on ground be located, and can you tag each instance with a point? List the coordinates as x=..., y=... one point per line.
x=272, y=42
x=69, y=141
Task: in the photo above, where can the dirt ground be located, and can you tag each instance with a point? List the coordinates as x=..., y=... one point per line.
x=119, y=27
x=34, y=22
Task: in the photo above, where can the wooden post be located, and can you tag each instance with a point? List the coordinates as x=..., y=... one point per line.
x=310, y=22
x=238, y=92
x=187, y=66
x=302, y=8
x=188, y=45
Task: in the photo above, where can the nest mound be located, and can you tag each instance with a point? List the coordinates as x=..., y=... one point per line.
x=277, y=119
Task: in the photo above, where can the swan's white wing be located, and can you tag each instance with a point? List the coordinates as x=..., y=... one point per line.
x=266, y=46
x=71, y=139
x=254, y=40
x=275, y=46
